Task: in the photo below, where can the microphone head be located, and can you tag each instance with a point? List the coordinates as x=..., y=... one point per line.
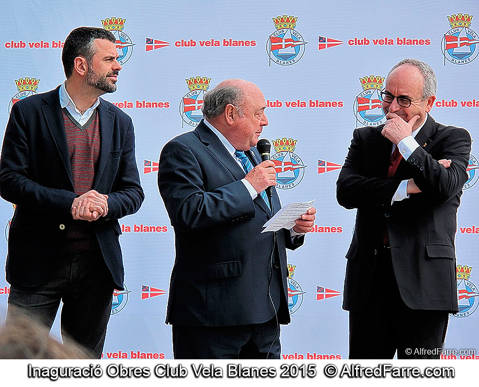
x=263, y=146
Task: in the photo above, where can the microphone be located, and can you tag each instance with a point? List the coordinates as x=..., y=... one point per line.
x=264, y=149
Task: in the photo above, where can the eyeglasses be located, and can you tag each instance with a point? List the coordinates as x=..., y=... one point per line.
x=402, y=100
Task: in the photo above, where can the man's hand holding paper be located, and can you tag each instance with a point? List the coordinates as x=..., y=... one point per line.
x=297, y=216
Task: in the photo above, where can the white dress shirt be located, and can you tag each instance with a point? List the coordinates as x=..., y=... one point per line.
x=67, y=102
x=406, y=147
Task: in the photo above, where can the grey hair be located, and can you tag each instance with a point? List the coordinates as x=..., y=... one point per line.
x=215, y=101
x=430, y=82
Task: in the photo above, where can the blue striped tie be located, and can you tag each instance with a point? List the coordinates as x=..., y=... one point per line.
x=248, y=166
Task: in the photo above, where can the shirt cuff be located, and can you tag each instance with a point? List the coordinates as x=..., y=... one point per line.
x=406, y=146
x=295, y=234
x=250, y=188
x=401, y=192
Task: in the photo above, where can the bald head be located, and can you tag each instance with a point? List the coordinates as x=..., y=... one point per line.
x=410, y=80
x=237, y=83
x=236, y=108
x=230, y=91
x=426, y=72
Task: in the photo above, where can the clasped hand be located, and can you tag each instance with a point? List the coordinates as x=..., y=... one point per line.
x=90, y=206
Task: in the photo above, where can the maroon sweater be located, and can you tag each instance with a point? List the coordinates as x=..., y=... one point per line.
x=84, y=148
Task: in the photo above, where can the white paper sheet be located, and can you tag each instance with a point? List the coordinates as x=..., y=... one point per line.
x=286, y=217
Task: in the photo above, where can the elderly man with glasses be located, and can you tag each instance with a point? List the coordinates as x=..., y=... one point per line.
x=405, y=179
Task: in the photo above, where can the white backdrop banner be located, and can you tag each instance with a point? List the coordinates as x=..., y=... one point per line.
x=320, y=65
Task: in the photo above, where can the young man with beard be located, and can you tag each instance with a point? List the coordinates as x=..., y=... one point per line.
x=68, y=163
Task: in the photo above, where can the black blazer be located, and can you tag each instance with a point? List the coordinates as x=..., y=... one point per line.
x=421, y=229
x=222, y=265
x=35, y=174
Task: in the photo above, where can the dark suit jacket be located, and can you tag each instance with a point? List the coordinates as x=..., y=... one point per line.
x=421, y=229
x=35, y=174
x=222, y=266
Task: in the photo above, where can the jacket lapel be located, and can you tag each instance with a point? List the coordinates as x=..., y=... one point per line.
x=423, y=138
x=54, y=119
x=218, y=151
x=106, y=120
x=224, y=158
x=255, y=159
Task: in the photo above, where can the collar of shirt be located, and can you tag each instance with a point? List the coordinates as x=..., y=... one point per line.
x=415, y=132
x=230, y=148
x=67, y=103
x=408, y=144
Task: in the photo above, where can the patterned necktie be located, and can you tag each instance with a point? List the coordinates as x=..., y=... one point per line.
x=394, y=161
x=396, y=158
x=248, y=166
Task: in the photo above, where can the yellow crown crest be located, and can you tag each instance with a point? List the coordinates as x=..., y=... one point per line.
x=291, y=269
x=27, y=84
x=372, y=82
x=198, y=83
x=113, y=24
x=285, y=21
x=460, y=20
x=463, y=272
x=284, y=144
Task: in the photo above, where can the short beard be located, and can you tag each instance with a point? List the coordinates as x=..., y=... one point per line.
x=100, y=83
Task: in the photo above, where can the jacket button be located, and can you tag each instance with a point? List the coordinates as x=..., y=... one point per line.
x=61, y=226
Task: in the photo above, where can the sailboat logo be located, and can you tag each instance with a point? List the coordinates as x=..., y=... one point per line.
x=295, y=292
x=467, y=292
x=472, y=172
x=289, y=166
x=124, y=45
x=192, y=102
x=7, y=227
x=285, y=46
x=367, y=105
x=459, y=45
x=119, y=300
x=26, y=87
